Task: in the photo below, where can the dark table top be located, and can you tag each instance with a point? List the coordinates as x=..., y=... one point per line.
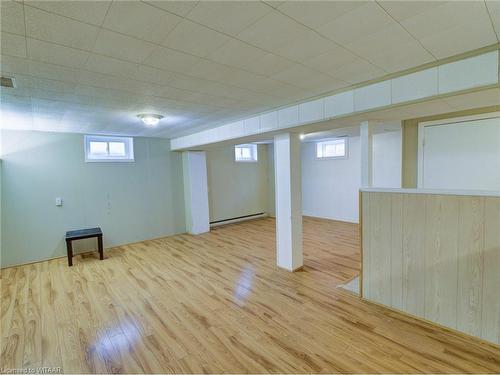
x=73, y=234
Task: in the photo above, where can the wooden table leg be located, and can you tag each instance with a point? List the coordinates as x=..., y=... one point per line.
x=101, y=250
x=69, y=247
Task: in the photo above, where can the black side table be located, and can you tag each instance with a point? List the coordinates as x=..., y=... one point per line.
x=80, y=235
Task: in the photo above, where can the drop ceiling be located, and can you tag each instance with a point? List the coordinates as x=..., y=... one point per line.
x=91, y=66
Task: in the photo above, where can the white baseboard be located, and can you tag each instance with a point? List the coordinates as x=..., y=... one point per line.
x=238, y=220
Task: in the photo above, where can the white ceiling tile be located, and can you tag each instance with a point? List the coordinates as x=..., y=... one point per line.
x=317, y=13
x=54, y=72
x=357, y=23
x=212, y=70
x=103, y=92
x=402, y=10
x=88, y=11
x=236, y=53
x=122, y=47
x=307, y=78
x=357, y=72
x=407, y=56
x=169, y=59
x=190, y=83
x=12, y=17
x=140, y=20
x=12, y=64
x=493, y=7
x=273, y=31
x=57, y=29
x=290, y=92
x=56, y=54
x=386, y=40
x=45, y=84
x=331, y=60
x=195, y=39
x=308, y=45
x=459, y=39
x=108, y=65
x=179, y=7
x=153, y=75
x=269, y=64
x=13, y=45
x=446, y=16
x=274, y=3
x=230, y=17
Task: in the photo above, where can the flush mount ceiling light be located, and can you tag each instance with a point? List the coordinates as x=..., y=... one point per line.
x=150, y=119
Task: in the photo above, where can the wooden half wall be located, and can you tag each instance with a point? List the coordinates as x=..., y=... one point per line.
x=435, y=256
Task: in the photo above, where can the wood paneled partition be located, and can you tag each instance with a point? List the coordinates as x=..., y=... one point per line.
x=435, y=256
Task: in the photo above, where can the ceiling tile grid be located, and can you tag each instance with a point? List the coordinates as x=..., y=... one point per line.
x=233, y=58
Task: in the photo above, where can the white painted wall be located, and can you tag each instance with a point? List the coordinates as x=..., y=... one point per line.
x=330, y=187
x=271, y=201
x=129, y=201
x=236, y=189
x=387, y=159
x=194, y=168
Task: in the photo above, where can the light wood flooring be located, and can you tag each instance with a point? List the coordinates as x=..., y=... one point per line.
x=217, y=303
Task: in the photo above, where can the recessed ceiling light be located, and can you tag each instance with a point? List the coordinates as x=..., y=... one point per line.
x=150, y=119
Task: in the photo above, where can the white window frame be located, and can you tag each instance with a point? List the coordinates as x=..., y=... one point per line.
x=332, y=140
x=129, y=149
x=254, y=153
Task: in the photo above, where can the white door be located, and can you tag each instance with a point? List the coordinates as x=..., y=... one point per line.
x=462, y=155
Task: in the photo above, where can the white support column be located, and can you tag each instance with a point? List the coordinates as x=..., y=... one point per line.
x=194, y=167
x=366, y=129
x=288, y=193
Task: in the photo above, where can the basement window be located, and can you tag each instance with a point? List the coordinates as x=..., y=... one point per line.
x=332, y=149
x=100, y=148
x=245, y=153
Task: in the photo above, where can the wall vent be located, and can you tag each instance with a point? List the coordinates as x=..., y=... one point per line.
x=7, y=82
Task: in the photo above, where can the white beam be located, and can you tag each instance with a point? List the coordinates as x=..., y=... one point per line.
x=195, y=192
x=366, y=130
x=288, y=192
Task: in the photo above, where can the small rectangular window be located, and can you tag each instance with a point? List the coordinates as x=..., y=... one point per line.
x=332, y=149
x=245, y=153
x=100, y=148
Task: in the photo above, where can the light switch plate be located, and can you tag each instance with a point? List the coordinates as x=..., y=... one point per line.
x=58, y=201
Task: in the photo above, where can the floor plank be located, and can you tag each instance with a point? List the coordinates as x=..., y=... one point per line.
x=217, y=303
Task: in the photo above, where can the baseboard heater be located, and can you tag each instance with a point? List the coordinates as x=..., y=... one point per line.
x=237, y=219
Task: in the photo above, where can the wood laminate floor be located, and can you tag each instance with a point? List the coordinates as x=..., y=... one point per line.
x=216, y=303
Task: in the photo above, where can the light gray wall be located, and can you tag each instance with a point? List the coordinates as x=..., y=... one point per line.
x=236, y=189
x=129, y=201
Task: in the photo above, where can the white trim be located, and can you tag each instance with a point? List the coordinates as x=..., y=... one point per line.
x=239, y=220
x=447, y=121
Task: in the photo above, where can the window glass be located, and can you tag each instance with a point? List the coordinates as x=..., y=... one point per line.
x=335, y=148
x=245, y=153
x=108, y=148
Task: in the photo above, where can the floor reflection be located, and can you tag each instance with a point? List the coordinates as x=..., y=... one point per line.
x=243, y=287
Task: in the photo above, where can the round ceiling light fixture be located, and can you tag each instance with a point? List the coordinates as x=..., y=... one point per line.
x=150, y=119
